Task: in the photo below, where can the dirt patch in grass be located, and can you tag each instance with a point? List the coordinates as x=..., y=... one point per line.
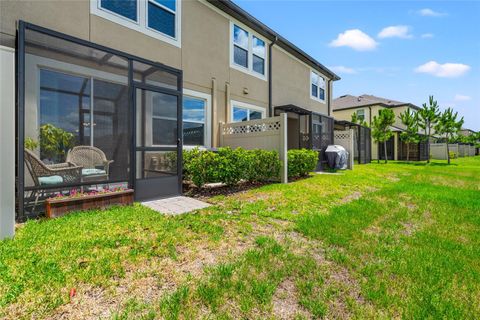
x=351, y=197
x=89, y=303
x=149, y=280
x=392, y=178
x=409, y=228
x=406, y=201
x=337, y=278
x=285, y=302
x=192, y=261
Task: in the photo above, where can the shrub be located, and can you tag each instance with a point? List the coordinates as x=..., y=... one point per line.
x=262, y=165
x=301, y=162
x=453, y=155
x=229, y=166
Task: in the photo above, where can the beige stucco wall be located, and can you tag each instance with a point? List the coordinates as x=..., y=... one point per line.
x=204, y=54
x=347, y=115
x=291, y=83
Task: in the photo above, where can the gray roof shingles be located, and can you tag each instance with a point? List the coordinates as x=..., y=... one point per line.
x=348, y=101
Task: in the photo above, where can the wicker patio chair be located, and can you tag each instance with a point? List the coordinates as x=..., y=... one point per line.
x=44, y=175
x=94, y=163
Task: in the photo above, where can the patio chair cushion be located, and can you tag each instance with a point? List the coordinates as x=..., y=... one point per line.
x=92, y=172
x=50, y=181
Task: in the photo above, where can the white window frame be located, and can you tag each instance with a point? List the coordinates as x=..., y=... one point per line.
x=142, y=24
x=32, y=83
x=320, y=76
x=251, y=34
x=244, y=105
x=363, y=111
x=208, y=116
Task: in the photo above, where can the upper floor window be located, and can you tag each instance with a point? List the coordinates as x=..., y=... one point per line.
x=317, y=84
x=126, y=8
x=156, y=18
x=248, y=52
x=361, y=114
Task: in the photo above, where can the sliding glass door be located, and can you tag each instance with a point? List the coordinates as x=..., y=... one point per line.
x=67, y=107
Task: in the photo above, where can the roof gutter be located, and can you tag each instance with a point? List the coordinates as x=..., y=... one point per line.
x=243, y=16
x=270, y=102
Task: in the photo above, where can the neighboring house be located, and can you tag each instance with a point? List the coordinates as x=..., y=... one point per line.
x=366, y=107
x=466, y=132
x=141, y=79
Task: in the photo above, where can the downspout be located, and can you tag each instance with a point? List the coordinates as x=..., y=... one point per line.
x=370, y=116
x=270, y=102
x=329, y=96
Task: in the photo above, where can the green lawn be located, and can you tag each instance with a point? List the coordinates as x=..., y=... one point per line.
x=382, y=241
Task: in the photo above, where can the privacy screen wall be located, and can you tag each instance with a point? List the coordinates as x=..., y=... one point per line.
x=76, y=95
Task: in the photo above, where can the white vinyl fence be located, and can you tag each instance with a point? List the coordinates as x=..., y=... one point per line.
x=267, y=134
x=471, y=151
x=7, y=136
x=462, y=150
x=439, y=150
x=346, y=139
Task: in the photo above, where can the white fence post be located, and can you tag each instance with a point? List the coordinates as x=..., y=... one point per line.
x=352, y=149
x=283, y=152
x=7, y=137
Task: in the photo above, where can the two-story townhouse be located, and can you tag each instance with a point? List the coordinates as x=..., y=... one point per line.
x=466, y=132
x=368, y=106
x=136, y=81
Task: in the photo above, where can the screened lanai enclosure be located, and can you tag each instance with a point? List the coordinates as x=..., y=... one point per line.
x=362, y=142
x=90, y=117
x=416, y=151
x=307, y=129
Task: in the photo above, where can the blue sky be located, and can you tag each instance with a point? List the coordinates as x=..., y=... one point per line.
x=402, y=50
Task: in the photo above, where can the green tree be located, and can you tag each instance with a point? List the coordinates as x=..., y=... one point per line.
x=381, y=131
x=410, y=135
x=428, y=117
x=54, y=142
x=356, y=119
x=448, y=126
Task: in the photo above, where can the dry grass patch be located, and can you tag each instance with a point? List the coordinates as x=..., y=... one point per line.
x=285, y=302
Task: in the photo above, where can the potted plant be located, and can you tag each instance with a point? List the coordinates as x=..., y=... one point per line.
x=62, y=204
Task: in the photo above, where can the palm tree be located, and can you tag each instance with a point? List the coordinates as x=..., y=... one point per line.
x=410, y=135
x=448, y=126
x=428, y=117
x=381, y=128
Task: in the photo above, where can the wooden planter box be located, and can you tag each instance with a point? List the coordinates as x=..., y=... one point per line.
x=59, y=207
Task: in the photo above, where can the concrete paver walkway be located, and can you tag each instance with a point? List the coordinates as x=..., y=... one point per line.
x=176, y=205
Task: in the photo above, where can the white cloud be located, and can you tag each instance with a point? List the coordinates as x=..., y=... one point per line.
x=461, y=97
x=427, y=35
x=395, y=32
x=342, y=69
x=430, y=13
x=355, y=39
x=446, y=70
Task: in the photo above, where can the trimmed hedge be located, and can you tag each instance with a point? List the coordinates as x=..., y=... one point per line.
x=301, y=162
x=229, y=166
